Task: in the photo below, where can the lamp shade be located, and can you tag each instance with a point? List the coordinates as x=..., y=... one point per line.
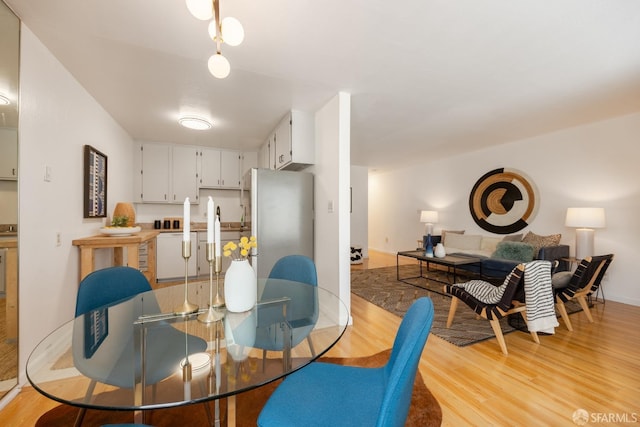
x=219, y=66
x=200, y=9
x=585, y=218
x=430, y=217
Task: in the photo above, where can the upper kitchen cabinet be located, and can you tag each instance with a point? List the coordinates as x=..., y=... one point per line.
x=249, y=160
x=168, y=173
x=267, y=154
x=294, y=141
x=8, y=154
x=184, y=173
x=220, y=168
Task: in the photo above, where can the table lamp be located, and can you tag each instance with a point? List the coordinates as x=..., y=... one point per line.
x=429, y=218
x=585, y=220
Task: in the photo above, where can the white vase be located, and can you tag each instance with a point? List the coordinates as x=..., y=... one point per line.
x=240, y=334
x=439, y=251
x=240, y=286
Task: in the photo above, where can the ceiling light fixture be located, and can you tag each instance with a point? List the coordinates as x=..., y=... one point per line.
x=194, y=123
x=4, y=100
x=228, y=30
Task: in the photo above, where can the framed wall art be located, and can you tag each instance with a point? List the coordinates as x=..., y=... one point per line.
x=95, y=183
x=503, y=201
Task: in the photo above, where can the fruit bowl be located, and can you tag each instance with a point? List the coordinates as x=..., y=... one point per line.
x=119, y=231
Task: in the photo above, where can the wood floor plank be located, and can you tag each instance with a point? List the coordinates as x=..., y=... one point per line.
x=596, y=367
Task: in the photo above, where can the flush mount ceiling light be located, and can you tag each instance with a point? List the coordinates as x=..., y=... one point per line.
x=4, y=100
x=229, y=31
x=194, y=123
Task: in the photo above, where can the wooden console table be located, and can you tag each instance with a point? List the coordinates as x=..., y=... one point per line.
x=87, y=245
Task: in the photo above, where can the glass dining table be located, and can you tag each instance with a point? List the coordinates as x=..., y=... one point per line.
x=138, y=354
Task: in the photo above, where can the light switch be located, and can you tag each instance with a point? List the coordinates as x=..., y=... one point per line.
x=330, y=207
x=47, y=173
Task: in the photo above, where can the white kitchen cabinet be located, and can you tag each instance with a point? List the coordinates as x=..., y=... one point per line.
x=155, y=173
x=249, y=160
x=169, y=260
x=184, y=174
x=230, y=169
x=209, y=167
x=294, y=141
x=168, y=173
x=8, y=154
x=266, y=157
x=220, y=168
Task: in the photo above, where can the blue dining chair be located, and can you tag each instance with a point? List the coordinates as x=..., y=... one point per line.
x=301, y=310
x=325, y=394
x=165, y=345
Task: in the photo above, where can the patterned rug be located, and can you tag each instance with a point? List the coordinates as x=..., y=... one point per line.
x=381, y=287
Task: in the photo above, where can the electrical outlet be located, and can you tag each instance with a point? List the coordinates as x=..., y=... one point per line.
x=58, y=239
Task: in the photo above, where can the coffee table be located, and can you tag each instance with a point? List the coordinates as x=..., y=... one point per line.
x=450, y=261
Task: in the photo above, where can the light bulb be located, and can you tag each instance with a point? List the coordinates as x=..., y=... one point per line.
x=232, y=31
x=219, y=66
x=201, y=9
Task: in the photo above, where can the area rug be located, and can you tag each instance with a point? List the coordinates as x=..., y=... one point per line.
x=424, y=410
x=381, y=287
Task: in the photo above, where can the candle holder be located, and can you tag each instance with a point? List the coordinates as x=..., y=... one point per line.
x=186, y=307
x=213, y=315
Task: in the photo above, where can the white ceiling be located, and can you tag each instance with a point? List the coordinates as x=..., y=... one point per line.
x=428, y=78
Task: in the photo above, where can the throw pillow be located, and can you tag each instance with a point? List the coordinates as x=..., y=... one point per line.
x=463, y=241
x=541, y=241
x=484, y=291
x=561, y=279
x=515, y=251
x=444, y=235
x=513, y=238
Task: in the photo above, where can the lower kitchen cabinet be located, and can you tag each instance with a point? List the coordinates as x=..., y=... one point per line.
x=169, y=260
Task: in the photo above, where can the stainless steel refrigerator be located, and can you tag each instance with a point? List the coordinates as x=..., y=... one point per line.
x=279, y=207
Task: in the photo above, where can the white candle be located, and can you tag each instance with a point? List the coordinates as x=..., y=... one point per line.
x=217, y=237
x=186, y=220
x=210, y=214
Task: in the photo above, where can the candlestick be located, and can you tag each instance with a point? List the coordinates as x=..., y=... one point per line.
x=210, y=226
x=186, y=307
x=217, y=237
x=212, y=315
x=186, y=219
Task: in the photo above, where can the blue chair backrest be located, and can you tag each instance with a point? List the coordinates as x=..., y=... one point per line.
x=304, y=301
x=109, y=285
x=297, y=268
x=403, y=363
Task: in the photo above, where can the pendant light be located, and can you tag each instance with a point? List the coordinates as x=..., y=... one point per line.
x=229, y=31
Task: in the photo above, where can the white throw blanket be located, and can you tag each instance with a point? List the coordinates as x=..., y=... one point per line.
x=538, y=293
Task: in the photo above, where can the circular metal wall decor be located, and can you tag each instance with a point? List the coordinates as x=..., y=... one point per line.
x=503, y=201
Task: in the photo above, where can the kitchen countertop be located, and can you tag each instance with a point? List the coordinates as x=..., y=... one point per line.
x=199, y=226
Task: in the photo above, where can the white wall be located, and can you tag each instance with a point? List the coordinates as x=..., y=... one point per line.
x=57, y=118
x=359, y=208
x=590, y=165
x=332, y=176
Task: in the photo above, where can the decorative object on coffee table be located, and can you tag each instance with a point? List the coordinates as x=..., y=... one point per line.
x=439, y=251
x=503, y=201
x=428, y=218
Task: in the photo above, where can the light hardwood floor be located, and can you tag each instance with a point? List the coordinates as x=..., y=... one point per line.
x=596, y=368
